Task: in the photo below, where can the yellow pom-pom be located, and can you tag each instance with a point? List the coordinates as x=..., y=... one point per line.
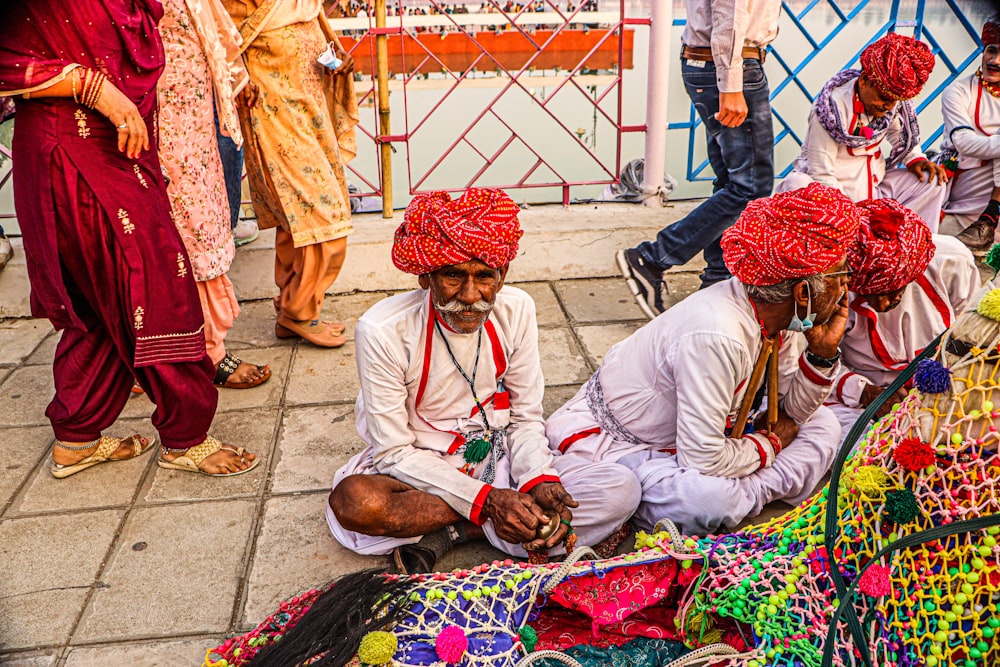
x=871, y=481
x=377, y=648
x=989, y=305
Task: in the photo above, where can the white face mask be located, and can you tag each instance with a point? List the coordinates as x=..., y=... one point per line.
x=806, y=324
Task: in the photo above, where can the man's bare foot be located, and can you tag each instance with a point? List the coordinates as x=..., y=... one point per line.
x=67, y=457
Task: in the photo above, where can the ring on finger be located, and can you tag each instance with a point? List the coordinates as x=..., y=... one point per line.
x=123, y=126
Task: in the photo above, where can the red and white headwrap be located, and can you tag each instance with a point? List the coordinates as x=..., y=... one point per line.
x=894, y=247
x=438, y=231
x=898, y=65
x=789, y=235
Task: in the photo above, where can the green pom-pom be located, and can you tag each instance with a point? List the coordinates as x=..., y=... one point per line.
x=901, y=506
x=476, y=450
x=377, y=648
x=989, y=305
x=529, y=638
x=992, y=258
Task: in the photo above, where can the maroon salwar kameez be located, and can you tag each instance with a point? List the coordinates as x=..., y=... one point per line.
x=105, y=261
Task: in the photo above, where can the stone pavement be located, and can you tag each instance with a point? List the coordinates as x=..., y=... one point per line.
x=127, y=563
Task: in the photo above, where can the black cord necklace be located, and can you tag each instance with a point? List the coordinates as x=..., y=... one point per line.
x=475, y=450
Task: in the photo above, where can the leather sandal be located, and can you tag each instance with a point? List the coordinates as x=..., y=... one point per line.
x=979, y=235
x=316, y=332
x=106, y=446
x=229, y=365
x=336, y=328
x=192, y=459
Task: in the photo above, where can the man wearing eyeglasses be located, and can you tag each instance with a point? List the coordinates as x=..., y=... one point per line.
x=858, y=110
x=907, y=287
x=717, y=404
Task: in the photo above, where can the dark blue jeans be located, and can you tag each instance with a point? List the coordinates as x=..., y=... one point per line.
x=743, y=161
x=232, y=170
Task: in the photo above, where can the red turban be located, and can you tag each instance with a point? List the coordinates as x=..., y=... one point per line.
x=437, y=231
x=894, y=247
x=898, y=65
x=790, y=235
x=991, y=32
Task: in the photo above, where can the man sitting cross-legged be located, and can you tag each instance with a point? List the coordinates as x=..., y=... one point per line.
x=675, y=401
x=907, y=286
x=451, y=405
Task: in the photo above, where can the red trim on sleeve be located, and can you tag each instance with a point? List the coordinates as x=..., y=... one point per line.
x=812, y=375
x=840, y=386
x=760, y=451
x=476, y=515
x=528, y=486
x=564, y=445
x=915, y=160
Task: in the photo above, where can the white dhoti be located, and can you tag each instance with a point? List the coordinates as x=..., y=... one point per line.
x=608, y=494
x=701, y=504
x=968, y=194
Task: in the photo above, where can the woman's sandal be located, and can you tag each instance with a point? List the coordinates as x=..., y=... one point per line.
x=191, y=461
x=106, y=446
x=229, y=365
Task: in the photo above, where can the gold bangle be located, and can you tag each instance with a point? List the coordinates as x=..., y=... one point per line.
x=72, y=80
x=98, y=89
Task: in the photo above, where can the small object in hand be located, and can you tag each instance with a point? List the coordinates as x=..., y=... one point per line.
x=546, y=530
x=328, y=58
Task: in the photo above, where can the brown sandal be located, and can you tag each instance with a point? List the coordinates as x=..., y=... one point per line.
x=229, y=365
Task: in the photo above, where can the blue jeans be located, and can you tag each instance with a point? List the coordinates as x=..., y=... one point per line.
x=232, y=171
x=743, y=161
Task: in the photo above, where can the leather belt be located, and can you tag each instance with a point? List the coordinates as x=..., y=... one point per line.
x=704, y=53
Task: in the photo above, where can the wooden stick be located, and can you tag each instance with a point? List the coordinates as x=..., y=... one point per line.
x=755, y=377
x=772, y=387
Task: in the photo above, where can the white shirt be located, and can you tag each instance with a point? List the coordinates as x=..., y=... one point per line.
x=877, y=346
x=678, y=382
x=727, y=26
x=415, y=406
x=855, y=172
x=971, y=122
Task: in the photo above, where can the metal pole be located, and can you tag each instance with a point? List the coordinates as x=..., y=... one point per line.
x=382, y=78
x=661, y=18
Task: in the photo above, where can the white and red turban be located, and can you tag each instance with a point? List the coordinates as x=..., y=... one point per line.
x=991, y=31
x=898, y=65
x=438, y=231
x=894, y=247
x=789, y=235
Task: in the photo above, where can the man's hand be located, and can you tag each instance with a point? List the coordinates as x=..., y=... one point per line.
x=934, y=171
x=785, y=428
x=732, y=109
x=551, y=496
x=871, y=392
x=515, y=516
x=824, y=339
x=347, y=64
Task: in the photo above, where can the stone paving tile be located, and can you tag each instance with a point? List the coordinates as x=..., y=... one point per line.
x=176, y=653
x=267, y=394
x=562, y=361
x=20, y=451
x=599, y=300
x=556, y=397
x=598, y=339
x=253, y=429
x=547, y=308
x=45, y=352
x=49, y=563
x=33, y=659
x=4, y=372
x=20, y=338
x=347, y=308
x=105, y=485
x=175, y=570
x=295, y=552
x=679, y=286
x=25, y=394
x=313, y=444
x=254, y=328
x=321, y=376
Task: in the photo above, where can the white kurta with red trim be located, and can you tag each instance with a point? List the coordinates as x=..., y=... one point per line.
x=877, y=346
x=415, y=409
x=669, y=392
x=861, y=173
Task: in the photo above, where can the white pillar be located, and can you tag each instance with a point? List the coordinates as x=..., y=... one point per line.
x=661, y=16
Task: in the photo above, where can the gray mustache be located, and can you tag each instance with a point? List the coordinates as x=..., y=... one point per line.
x=456, y=306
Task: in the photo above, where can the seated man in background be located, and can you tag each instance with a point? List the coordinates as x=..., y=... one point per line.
x=970, y=148
x=906, y=288
x=451, y=406
x=675, y=402
x=855, y=113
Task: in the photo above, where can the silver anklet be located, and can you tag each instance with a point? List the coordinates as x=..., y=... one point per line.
x=80, y=448
x=167, y=450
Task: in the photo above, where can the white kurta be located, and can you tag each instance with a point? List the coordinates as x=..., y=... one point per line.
x=674, y=386
x=971, y=122
x=861, y=173
x=877, y=346
x=415, y=409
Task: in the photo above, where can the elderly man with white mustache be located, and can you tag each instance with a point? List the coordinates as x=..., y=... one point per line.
x=451, y=407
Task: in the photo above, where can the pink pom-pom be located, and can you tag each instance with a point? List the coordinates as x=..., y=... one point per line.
x=875, y=581
x=451, y=644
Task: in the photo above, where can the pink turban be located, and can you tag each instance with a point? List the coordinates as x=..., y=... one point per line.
x=898, y=65
x=894, y=247
x=790, y=235
x=438, y=231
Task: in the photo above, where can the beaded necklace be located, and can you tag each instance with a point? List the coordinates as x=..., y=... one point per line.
x=477, y=449
x=991, y=88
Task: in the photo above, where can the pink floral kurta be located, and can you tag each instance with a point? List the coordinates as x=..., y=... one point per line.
x=189, y=152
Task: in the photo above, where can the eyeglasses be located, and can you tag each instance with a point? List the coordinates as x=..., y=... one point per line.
x=847, y=272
